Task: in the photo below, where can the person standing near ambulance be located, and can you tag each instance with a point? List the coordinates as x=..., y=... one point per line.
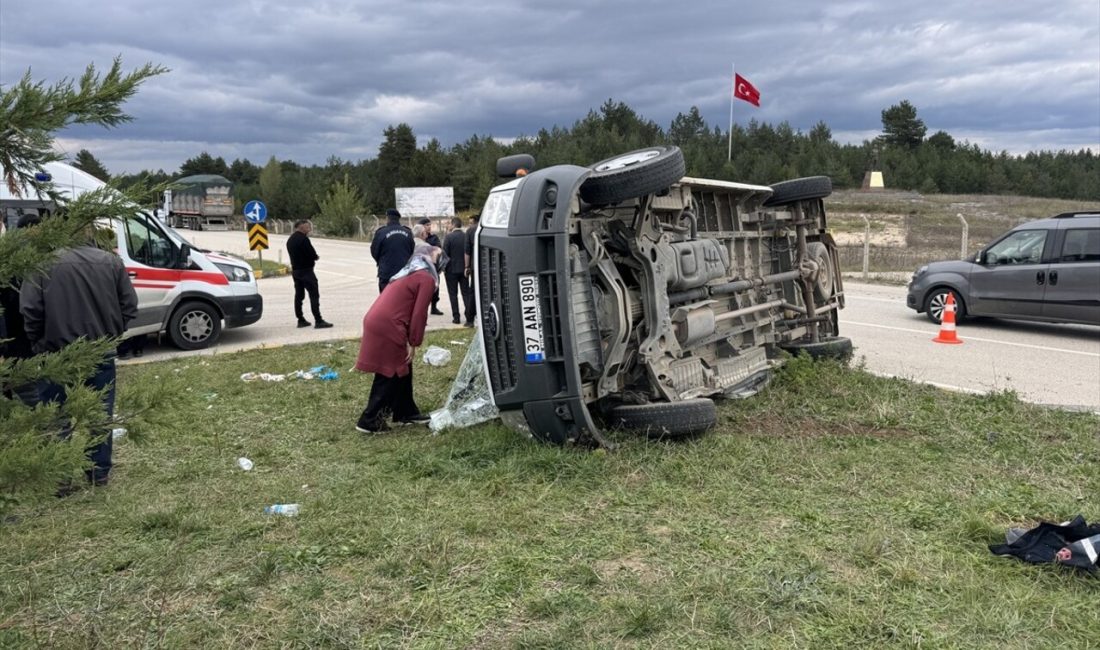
x=303, y=257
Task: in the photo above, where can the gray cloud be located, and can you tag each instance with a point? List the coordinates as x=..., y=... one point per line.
x=308, y=80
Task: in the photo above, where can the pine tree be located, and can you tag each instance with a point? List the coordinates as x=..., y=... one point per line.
x=33, y=460
x=394, y=164
x=86, y=161
x=204, y=163
x=901, y=127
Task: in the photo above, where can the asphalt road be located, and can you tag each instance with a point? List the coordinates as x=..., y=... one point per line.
x=1043, y=363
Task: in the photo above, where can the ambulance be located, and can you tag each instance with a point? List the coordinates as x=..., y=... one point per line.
x=187, y=293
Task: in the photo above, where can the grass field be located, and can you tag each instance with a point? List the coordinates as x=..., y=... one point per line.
x=835, y=509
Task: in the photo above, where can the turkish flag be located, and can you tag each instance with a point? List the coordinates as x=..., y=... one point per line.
x=742, y=89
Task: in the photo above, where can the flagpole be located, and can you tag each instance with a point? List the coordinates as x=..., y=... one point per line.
x=733, y=81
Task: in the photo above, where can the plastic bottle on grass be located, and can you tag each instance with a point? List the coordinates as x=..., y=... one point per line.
x=285, y=509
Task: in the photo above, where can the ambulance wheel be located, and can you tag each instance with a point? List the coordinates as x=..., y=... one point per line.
x=194, y=325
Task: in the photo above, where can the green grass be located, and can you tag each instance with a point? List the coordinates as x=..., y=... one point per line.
x=269, y=267
x=835, y=509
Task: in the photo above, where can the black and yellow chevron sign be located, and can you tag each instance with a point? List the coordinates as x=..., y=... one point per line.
x=257, y=237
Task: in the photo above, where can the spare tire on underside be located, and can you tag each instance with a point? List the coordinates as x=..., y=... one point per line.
x=833, y=347
x=632, y=175
x=800, y=189
x=665, y=420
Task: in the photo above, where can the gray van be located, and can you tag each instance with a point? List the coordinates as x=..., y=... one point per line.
x=627, y=295
x=1045, y=270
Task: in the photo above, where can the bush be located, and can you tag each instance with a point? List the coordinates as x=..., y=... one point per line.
x=340, y=208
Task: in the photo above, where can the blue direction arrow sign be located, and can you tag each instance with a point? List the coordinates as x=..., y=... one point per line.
x=255, y=212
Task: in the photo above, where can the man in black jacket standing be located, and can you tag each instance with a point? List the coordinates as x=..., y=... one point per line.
x=303, y=257
x=84, y=294
x=391, y=247
x=454, y=247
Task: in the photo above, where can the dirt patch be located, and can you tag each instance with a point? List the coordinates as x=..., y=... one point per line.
x=886, y=229
x=631, y=565
x=664, y=532
x=499, y=635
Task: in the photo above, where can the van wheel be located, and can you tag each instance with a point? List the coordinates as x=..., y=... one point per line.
x=665, y=420
x=800, y=189
x=194, y=326
x=833, y=347
x=634, y=174
x=936, y=302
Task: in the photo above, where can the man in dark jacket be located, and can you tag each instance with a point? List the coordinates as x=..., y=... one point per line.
x=302, y=259
x=471, y=306
x=13, y=334
x=85, y=293
x=391, y=247
x=454, y=247
x=432, y=239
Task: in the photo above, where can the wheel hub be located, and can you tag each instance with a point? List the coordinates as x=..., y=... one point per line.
x=196, y=326
x=628, y=160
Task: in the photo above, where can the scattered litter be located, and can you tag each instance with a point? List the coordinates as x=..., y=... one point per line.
x=1073, y=543
x=285, y=509
x=244, y=464
x=458, y=342
x=118, y=432
x=263, y=376
x=210, y=397
x=470, y=401
x=324, y=373
x=437, y=356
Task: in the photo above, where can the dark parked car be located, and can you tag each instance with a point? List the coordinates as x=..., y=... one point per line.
x=1046, y=270
x=626, y=295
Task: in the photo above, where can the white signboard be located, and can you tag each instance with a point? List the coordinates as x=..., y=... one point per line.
x=416, y=202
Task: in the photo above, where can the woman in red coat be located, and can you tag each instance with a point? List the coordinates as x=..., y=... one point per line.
x=392, y=330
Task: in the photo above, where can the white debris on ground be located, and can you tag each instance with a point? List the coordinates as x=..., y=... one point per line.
x=437, y=356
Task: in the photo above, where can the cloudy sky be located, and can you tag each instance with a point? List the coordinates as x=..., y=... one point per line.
x=306, y=80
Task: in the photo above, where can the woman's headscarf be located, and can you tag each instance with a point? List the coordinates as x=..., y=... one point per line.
x=421, y=260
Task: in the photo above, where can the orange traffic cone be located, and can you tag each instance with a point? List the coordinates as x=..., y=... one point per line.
x=947, y=322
